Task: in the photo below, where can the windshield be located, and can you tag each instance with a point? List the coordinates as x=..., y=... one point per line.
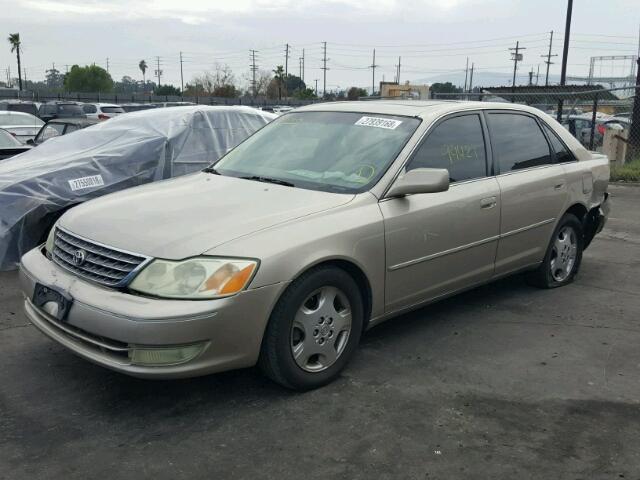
x=112, y=110
x=329, y=151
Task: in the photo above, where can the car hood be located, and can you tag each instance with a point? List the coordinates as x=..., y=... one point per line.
x=187, y=216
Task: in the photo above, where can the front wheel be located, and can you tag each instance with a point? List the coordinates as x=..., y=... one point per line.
x=314, y=329
x=563, y=257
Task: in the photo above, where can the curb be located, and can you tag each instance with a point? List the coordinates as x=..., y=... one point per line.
x=625, y=184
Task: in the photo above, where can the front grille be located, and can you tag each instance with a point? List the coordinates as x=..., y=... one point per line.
x=104, y=265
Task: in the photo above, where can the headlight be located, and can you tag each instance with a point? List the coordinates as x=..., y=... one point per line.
x=50, y=241
x=196, y=278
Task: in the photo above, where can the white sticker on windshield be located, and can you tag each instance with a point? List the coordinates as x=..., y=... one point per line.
x=378, y=122
x=86, y=182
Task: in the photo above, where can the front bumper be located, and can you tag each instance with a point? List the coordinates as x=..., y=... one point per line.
x=103, y=324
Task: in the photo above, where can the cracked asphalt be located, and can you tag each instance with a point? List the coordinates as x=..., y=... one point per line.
x=505, y=381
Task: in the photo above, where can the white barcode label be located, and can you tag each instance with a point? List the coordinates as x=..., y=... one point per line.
x=378, y=122
x=86, y=182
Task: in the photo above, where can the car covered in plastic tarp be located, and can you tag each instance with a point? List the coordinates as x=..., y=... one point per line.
x=37, y=186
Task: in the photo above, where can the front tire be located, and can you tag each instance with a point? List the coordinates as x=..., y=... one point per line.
x=314, y=329
x=564, y=255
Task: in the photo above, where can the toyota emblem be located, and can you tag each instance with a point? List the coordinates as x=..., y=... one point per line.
x=79, y=257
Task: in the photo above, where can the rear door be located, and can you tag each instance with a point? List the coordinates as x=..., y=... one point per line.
x=439, y=243
x=533, y=189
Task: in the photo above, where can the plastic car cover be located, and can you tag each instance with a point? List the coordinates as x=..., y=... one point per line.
x=126, y=151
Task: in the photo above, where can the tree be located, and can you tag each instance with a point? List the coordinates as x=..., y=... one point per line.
x=354, y=93
x=293, y=84
x=219, y=83
x=90, y=78
x=143, y=68
x=306, y=94
x=279, y=79
x=54, y=79
x=446, y=87
x=14, y=41
x=167, y=90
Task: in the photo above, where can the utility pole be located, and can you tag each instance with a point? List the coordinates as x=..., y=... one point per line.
x=398, y=71
x=537, y=74
x=565, y=54
x=531, y=76
x=548, y=58
x=517, y=56
x=286, y=61
x=181, y=77
x=302, y=65
x=373, y=72
x=324, y=69
x=107, y=64
x=254, y=69
x=317, y=87
x=473, y=66
x=466, y=73
x=158, y=71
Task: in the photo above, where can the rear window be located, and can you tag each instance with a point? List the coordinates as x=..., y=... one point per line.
x=70, y=109
x=22, y=107
x=112, y=109
x=88, y=108
x=19, y=120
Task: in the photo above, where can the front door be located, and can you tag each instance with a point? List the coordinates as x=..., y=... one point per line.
x=439, y=243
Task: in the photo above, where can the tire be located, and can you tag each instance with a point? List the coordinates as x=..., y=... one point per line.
x=304, y=321
x=567, y=243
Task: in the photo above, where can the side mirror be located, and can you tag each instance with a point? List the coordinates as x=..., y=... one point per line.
x=30, y=141
x=420, y=180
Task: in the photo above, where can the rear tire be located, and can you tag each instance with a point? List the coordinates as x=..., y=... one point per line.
x=313, y=330
x=564, y=255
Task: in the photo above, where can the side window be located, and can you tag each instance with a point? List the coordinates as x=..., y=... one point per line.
x=518, y=142
x=562, y=153
x=456, y=144
x=88, y=108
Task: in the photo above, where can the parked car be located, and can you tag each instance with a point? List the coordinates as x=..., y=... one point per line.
x=174, y=104
x=136, y=107
x=9, y=146
x=23, y=126
x=102, y=111
x=580, y=127
x=24, y=106
x=325, y=222
x=60, y=109
x=126, y=151
x=59, y=127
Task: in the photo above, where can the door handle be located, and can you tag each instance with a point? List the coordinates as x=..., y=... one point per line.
x=488, y=202
x=558, y=186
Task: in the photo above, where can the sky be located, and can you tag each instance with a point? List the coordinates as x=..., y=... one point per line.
x=432, y=37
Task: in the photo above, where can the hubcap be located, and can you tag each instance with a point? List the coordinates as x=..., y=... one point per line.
x=320, y=330
x=563, y=254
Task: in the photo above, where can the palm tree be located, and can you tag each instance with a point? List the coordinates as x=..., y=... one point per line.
x=279, y=75
x=14, y=40
x=143, y=68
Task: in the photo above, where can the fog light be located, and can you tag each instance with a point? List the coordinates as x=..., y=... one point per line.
x=155, y=356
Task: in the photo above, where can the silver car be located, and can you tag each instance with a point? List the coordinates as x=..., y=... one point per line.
x=327, y=221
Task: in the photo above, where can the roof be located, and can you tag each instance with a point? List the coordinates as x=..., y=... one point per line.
x=412, y=108
x=15, y=100
x=81, y=121
x=15, y=112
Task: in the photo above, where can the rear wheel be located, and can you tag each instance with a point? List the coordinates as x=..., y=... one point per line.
x=563, y=257
x=314, y=329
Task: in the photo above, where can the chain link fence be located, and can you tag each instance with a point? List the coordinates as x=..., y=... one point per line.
x=120, y=98
x=602, y=119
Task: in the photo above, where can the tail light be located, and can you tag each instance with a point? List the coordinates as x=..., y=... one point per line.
x=601, y=129
x=102, y=116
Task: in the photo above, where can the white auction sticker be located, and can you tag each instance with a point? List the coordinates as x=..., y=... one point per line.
x=378, y=122
x=86, y=182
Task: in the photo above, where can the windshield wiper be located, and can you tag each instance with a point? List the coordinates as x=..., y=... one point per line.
x=211, y=170
x=258, y=178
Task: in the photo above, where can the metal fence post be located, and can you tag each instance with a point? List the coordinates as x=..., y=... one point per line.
x=633, y=152
x=593, y=121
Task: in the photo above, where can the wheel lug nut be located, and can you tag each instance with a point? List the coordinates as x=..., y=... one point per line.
x=330, y=320
x=321, y=341
x=321, y=321
x=315, y=332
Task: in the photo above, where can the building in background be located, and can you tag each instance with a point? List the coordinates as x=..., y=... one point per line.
x=406, y=90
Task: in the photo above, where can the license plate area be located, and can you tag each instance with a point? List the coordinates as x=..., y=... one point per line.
x=52, y=301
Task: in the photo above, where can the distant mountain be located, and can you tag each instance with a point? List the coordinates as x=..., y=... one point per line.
x=485, y=79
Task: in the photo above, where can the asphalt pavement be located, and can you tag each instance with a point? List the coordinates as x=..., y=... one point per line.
x=505, y=381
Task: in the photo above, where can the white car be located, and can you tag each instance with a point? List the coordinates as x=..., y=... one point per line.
x=102, y=111
x=23, y=126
